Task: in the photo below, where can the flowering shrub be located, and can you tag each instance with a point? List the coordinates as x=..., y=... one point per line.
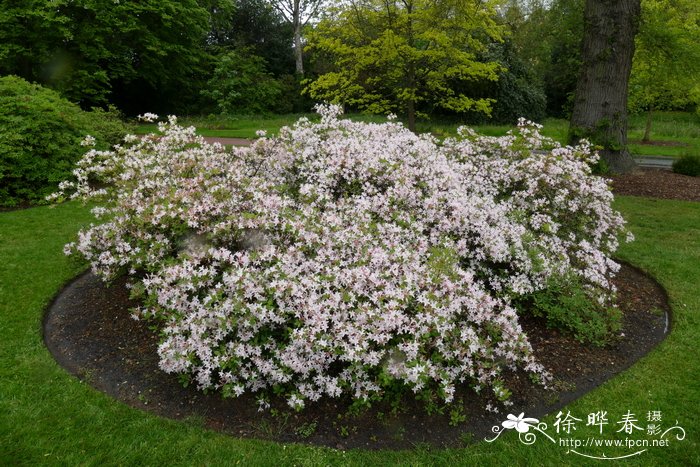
x=343, y=257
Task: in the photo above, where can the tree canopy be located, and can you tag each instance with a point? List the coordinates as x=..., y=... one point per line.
x=476, y=60
x=298, y=13
x=95, y=51
x=405, y=56
x=666, y=67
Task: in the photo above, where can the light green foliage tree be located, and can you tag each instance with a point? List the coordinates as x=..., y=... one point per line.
x=666, y=66
x=519, y=90
x=405, y=55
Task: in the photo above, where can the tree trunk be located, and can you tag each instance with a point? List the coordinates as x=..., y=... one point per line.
x=647, y=128
x=411, y=111
x=298, y=49
x=600, y=105
x=411, y=71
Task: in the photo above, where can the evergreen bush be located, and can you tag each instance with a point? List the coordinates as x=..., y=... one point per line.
x=40, y=134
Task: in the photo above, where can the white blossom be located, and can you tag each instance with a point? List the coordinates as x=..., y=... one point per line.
x=338, y=252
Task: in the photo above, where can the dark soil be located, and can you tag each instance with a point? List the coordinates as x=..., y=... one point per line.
x=19, y=206
x=660, y=143
x=657, y=183
x=89, y=331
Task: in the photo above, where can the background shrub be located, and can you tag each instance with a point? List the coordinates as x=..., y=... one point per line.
x=687, y=165
x=40, y=134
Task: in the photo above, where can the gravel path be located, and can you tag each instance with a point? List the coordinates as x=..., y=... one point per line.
x=228, y=141
x=654, y=162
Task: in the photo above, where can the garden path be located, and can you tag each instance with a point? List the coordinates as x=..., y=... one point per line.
x=228, y=141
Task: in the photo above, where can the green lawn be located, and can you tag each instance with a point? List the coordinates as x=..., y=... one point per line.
x=680, y=129
x=49, y=417
x=243, y=126
x=246, y=126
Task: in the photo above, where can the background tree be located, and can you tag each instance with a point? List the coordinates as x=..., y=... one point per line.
x=28, y=34
x=396, y=55
x=666, y=66
x=252, y=65
x=546, y=38
x=241, y=84
x=257, y=26
x=519, y=89
x=148, y=52
x=221, y=13
x=516, y=93
x=298, y=13
x=563, y=34
x=600, y=105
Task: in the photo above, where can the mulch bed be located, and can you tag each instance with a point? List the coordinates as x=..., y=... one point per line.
x=657, y=183
x=89, y=331
x=660, y=143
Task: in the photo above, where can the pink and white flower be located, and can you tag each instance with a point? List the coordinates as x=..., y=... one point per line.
x=340, y=253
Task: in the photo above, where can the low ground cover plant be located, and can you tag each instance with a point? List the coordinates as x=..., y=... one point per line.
x=40, y=134
x=346, y=258
x=687, y=165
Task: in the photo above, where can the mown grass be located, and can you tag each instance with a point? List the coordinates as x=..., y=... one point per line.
x=48, y=417
x=234, y=126
x=246, y=126
x=681, y=129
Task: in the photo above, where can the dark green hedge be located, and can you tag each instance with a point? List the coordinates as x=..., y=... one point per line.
x=687, y=165
x=40, y=134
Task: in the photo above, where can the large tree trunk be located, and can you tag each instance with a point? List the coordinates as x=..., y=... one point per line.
x=600, y=106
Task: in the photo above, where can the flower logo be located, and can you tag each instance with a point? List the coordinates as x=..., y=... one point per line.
x=521, y=424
